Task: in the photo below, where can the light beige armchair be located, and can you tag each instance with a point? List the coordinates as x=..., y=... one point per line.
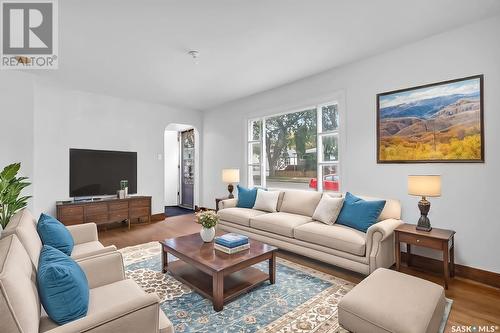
x=23, y=225
x=116, y=304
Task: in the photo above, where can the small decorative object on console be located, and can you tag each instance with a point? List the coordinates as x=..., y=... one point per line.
x=124, y=187
x=208, y=220
x=230, y=176
x=121, y=194
x=424, y=186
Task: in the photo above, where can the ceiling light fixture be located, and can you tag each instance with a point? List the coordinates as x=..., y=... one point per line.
x=195, y=54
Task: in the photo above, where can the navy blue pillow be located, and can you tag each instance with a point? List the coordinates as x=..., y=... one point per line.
x=62, y=286
x=54, y=233
x=246, y=197
x=358, y=213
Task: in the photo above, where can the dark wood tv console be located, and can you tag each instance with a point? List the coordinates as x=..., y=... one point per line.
x=105, y=210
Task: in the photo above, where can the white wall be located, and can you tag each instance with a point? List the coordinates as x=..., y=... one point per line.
x=66, y=118
x=469, y=202
x=16, y=123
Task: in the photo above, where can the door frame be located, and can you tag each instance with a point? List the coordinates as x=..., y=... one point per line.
x=172, y=180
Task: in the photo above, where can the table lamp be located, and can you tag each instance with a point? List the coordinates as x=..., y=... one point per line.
x=424, y=186
x=230, y=176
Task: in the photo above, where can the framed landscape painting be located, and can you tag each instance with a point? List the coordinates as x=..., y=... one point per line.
x=439, y=122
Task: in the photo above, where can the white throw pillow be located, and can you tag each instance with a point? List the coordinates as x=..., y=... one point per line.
x=328, y=209
x=266, y=200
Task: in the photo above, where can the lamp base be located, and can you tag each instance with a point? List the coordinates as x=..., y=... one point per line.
x=424, y=224
x=230, y=189
x=427, y=229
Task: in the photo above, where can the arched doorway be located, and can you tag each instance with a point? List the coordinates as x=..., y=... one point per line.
x=181, y=151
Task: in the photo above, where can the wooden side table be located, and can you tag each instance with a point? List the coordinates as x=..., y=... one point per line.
x=437, y=239
x=217, y=200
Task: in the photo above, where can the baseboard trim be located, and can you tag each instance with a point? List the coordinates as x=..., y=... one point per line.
x=158, y=217
x=471, y=273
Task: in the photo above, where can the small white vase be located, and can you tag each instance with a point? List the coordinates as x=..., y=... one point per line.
x=207, y=234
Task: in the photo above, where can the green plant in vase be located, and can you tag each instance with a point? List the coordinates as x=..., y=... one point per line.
x=11, y=187
x=208, y=220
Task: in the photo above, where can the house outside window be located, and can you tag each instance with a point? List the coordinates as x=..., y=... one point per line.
x=294, y=149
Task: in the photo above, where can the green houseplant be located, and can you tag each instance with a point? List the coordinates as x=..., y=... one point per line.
x=208, y=220
x=11, y=187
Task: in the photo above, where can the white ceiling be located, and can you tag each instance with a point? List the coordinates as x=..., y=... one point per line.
x=138, y=49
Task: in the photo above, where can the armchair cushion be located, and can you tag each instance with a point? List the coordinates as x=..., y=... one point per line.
x=54, y=233
x=84, y=249
x=118, y=307
x=62, y=286
x=103, y=269
x=83, y=233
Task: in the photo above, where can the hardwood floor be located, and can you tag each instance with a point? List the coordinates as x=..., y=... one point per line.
x=474, y=304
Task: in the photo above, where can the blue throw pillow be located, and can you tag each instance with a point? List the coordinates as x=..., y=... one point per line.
x=62, y=286
x=358, y=213
x=246, y=197
x=54, y=233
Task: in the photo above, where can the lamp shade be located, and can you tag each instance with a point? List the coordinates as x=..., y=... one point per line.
x=424, y=185
x=230, y=175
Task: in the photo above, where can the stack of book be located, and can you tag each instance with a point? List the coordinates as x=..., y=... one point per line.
x=231, y=243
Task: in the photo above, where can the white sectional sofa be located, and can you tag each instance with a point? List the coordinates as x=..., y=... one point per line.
x=292, y=228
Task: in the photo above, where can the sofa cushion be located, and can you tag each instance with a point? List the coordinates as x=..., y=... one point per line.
x=23, y=225
x=62, y=286
x=300, y=202
x=103, y=299
x=279, y=223
x=19, y=302
x=267, y=200
x=358, y=213
x=246, y=197
x=386, y=302
x=85, y=249
x=237, y=215
x=335, y=236
x=328, y=209
x=54, y=233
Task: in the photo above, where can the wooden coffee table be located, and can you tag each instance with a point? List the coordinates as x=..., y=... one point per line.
x=217, y=276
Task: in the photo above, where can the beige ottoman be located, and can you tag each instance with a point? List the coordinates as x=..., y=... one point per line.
x=389, y=301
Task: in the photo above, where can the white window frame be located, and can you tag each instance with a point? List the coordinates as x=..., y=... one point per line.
x=338, y=100
x=250, y=142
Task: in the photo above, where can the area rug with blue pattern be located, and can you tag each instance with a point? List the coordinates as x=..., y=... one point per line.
x=302, y=300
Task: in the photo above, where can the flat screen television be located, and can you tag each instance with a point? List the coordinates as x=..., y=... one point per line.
x=99, y=172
